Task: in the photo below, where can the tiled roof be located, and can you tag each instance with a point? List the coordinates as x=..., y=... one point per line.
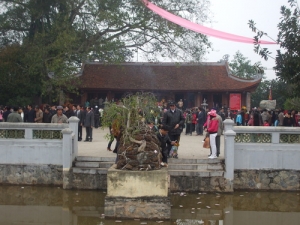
x=163, y=77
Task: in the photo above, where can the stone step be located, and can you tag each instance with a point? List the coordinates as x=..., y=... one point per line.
x=106, y=164
x=84, y=170
x=87, y=164
x=93, y=164
x=95, y=159
x=195, y=161
x=198, y=173
x=215, y=166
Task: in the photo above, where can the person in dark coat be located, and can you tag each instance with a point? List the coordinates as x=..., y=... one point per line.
x=47, y=116
x=200, y=121
x=256, y=118
x=69, y=112
x=188, y=121
x=30, y=115
x=174, y=119
x=80, y=115
x=288, y=120
x=97, y=116
x=53, y=110
x=89, y=124
x=6, y=113
x=164, y=139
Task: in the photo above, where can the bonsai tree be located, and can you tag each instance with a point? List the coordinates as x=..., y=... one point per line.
x=138, y=146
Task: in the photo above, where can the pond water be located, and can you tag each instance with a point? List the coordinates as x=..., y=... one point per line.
x=52, y=206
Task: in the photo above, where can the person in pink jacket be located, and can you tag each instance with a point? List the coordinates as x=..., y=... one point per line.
x=212, y=125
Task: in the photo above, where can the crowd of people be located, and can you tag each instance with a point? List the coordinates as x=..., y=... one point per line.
x=209, y=123
x=196, y=117
x=88, y=117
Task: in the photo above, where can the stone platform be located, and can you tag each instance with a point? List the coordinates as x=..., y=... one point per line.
x=137, y=194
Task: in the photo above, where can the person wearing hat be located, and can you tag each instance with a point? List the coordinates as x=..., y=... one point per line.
x=59, y=117
x=174, y=119
x=212, y=126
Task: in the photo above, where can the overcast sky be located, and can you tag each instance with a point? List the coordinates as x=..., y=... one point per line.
x=232, y=16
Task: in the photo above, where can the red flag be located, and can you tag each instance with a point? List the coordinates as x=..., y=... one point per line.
x=270, y=94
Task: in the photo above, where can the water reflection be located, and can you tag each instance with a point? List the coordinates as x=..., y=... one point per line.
x=52, y=205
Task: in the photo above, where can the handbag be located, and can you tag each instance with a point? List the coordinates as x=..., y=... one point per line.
x=206, y=143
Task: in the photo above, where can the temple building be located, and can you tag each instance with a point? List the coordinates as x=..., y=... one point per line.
x=190, y=83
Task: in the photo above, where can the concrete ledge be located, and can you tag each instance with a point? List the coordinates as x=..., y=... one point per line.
x=143, y=208
x=91, y=171
x=134, y=184
x=214, y=166
x=195, y=161
x=95, y=159
x=198, y=173
x=87, y=164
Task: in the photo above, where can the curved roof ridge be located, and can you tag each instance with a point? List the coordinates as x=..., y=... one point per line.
x=255, y=78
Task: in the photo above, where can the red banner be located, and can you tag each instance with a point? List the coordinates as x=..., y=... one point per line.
x=235, y=101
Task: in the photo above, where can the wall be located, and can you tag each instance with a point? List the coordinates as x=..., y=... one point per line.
x=19, y=151
x=30, y=143
x=37, y=153
x=266, y=148
x=262, y=158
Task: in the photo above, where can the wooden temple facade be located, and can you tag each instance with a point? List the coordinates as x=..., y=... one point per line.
x=189, y=82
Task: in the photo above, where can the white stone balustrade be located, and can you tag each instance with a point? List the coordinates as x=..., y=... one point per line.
x=260, y=148
x=39, y=143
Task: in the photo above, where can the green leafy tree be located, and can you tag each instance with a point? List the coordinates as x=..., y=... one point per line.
x=241, y=66
x=292, y=103
x=56, y=37
x=16, y=87
x=288, y=55
x=279, y=92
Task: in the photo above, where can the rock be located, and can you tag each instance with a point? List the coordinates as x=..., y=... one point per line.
x=267, y=104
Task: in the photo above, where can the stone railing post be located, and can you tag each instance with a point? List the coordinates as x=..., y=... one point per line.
x=28, y=133
x=228, y=124
x=67, y=159
x=67, y=148
x=73, y=124
x=229, y=149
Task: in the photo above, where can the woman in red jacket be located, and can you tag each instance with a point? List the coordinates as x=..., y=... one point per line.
x=212, y=126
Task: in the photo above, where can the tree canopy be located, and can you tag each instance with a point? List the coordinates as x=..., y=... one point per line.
x=241, y=66
x=54, y=38
x=288, y=55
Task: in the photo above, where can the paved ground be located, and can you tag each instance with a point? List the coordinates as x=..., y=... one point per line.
x=190, y=146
